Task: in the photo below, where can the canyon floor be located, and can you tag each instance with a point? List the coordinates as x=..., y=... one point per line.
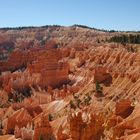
x=68, y=83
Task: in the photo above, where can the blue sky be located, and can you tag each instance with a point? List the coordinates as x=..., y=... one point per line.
x=103, y=14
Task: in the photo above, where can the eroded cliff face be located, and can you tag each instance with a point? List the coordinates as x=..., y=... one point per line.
x=42, y=68
x=72, y=88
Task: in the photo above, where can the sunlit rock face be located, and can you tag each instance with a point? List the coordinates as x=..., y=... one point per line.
x=102, y=76
x=42, y=68
x=86, y=130
x=124, y=108
x=52, y=72
x=61, y=83
x=43, y=129
x=21, y=118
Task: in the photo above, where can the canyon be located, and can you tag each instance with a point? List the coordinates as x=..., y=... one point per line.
x=68, y=83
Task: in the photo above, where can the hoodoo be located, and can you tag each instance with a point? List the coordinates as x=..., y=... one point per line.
x=68, y=83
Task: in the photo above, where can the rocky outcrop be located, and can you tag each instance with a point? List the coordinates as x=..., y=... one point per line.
x=43, y=129
x=61, y=135
x=24, y=133
x=90, y=130
x=36, y=96
x=124, y=108
x=46, y=70
x=20, y=118
x=102, y=76
x=17, y=60
x=53, y=73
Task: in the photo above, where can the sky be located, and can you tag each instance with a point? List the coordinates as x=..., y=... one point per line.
x=102, y=14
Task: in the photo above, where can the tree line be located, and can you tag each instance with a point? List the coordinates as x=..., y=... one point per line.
x=130, y=39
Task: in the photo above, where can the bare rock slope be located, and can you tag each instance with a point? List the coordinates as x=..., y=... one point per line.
x=62, y=83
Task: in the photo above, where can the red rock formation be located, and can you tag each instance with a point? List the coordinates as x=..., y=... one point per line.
x=24, y=133
x=43, y=129
x=14, y=62
x=124, y=108
x=20, y=118
x=86, y=130
x=114, y=120
x=102, y=76
x=38, y=70
x=51, y=45
x=61, y=135
x=53, y=73
x=46, y=71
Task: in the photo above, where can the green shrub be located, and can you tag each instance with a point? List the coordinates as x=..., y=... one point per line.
x=78, y=102
x=41, y=137
x=50, y=117
x=72, y=105
x=99, y=89
x=87, y=100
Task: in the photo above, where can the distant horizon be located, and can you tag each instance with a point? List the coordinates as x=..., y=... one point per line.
x=39, y=26
x=118, y=15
